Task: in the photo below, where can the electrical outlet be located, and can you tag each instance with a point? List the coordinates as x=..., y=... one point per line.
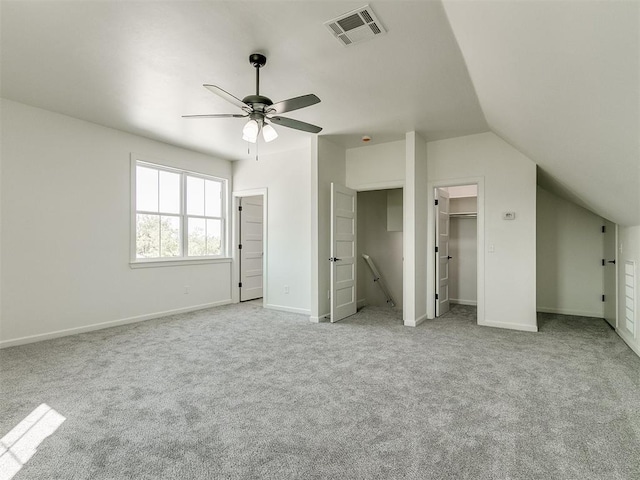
x=186, y=289
x=286, y=289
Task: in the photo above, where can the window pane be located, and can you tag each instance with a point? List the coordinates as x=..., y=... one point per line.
x=214, y=237
x=169, y=236
x=197, y=237
x=195, y=196
x=146, y=189
x=147, y=236
x=169, y=192
x=213, y=206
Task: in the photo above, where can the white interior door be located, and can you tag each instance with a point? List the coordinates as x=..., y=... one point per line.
x=610, y=274
x=343, y=252
x=442, y=251
x=252, y=249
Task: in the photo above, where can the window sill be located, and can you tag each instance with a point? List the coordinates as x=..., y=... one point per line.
x=177, y=262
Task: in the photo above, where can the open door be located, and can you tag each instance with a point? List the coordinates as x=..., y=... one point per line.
x=610, y=273
x=442, y=251
x=343, y=252
x=251, y=247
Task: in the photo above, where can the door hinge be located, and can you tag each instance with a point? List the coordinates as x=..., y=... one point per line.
x=436, y=296
x=240, y=248
x=604, y=229
x=239, y=208
x=436, y=201
x=603, y=262
x=436, y=249
x=240, y=285
x=603, y=298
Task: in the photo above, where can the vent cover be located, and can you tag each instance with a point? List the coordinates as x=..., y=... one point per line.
x=356, y=26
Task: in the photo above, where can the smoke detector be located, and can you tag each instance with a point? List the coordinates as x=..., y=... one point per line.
x=355, y=26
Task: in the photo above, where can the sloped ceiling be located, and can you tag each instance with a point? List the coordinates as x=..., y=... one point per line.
x=560, y=81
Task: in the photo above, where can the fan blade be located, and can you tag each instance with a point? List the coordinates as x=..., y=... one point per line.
x=217, y=115
x=297, y=124
x=226, y=95
x=294, y=103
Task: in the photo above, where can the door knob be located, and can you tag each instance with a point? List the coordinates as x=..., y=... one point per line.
x=449, y=258
x=611, y=261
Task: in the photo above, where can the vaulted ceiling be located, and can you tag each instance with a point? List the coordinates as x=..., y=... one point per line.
x=557, y=80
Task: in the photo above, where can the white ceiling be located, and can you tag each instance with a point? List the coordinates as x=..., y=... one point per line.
x=558, y=80
x=139, y=66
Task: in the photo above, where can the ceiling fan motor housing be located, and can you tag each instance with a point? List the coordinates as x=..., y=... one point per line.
x=258, y=102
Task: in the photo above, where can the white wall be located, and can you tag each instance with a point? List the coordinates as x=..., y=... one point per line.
x=330, y=166
x=383, y=246
x=66, y=230
x=463, y=267
x=375, y=167
x=570, y=277
x=286, y=178
x=628, y=249
x=415, y=204
x=509, y=178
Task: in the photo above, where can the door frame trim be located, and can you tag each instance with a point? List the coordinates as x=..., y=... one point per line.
x=235, y=270
x=431, y=242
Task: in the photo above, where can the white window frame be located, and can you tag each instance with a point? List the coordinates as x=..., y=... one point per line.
x=224, y=257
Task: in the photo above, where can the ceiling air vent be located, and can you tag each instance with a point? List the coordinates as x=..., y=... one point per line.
x=355, y=26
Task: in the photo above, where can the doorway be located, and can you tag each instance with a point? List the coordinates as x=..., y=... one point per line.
x=250, y=246
x=380, y=238
x=455, y=266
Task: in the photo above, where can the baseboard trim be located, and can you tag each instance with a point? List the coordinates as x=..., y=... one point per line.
x=283, y=308
x=102, y=325
x=569, y=311
x=416, y=322
x=320, y=319
x=458, y=301
x=361, y=303
x=510, y=326
x=628, y=340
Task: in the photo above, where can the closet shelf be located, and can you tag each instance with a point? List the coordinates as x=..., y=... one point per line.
x=463, y=214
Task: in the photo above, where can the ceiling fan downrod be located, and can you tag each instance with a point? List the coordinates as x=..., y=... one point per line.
x=258, y=61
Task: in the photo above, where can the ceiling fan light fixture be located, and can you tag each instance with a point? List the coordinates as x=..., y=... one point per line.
x=269, y=133
x=250, y=131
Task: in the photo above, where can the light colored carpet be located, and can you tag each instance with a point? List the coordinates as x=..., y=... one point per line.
x=239, y=392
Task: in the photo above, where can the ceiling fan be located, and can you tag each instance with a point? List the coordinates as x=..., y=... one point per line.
x=261, y=110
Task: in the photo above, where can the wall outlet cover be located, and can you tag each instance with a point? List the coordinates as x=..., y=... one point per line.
x=509, y=216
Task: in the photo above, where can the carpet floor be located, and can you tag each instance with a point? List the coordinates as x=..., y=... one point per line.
x=240, y=392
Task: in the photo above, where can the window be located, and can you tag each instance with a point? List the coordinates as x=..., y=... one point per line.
x=179, y=215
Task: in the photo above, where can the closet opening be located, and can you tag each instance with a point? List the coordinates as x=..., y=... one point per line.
x=249, y=231
x=379, y=248
x=456, y=249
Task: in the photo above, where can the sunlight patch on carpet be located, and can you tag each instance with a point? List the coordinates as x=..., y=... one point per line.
x=21, y=443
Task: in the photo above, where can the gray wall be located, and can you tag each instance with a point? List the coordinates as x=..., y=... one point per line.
x=463, y=267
